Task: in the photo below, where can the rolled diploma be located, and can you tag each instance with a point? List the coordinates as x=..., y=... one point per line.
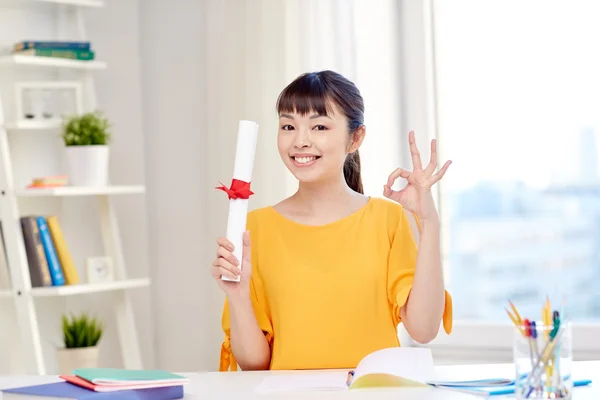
x=242, y=170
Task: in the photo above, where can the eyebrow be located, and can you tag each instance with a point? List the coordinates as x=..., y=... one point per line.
x=311, y=117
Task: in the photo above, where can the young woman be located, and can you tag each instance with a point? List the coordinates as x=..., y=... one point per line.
x=328, y=273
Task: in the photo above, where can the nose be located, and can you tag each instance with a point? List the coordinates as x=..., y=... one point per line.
x=302, y=138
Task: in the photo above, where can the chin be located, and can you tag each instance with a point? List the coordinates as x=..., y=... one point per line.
x=305, y=176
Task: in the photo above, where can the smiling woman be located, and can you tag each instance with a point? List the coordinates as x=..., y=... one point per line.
x=328, y=273
x=337, y=120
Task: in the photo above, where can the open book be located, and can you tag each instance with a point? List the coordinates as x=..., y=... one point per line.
x=391, y=367
x=407, y=366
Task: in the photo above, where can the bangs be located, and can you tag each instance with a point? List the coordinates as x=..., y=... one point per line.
x=306, y=95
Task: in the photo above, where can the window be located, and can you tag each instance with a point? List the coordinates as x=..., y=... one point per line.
x=518, y=111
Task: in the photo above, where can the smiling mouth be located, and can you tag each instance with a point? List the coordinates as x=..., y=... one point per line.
x=305, y=160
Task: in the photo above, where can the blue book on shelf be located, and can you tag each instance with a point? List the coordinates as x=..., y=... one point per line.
x=56, y=272
x=69, y=391
x=50, y=44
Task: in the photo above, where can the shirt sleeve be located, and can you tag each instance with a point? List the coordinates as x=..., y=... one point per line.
x=401, y=270
x=261, y=312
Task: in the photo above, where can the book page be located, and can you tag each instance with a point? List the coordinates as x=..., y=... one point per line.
x=395, y=366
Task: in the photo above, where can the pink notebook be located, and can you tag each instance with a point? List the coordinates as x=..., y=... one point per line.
x=112, y=387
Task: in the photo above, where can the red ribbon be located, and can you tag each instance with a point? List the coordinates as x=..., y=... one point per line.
x=238, y=190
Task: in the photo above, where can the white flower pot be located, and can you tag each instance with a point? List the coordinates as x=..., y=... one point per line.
x=87, y=165
x=80, y=357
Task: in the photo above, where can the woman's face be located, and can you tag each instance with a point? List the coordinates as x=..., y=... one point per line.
x=314, y=147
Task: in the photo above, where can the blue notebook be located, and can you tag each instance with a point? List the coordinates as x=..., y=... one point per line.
x=480, y=388
x=69, y=391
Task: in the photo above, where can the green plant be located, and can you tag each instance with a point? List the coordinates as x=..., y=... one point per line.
x=87, y=129
x=81, y=331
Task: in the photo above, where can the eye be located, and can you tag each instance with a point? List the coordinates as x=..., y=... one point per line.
x=287, y=127
x=320, y=127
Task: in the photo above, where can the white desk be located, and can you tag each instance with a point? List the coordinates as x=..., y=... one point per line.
x=240, y=385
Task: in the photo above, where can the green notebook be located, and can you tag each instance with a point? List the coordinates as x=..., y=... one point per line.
x=115, y=376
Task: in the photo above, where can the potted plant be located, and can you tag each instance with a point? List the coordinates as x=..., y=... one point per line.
x=86, y=138
x=81, y=335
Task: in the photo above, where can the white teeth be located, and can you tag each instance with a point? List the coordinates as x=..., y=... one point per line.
x=304, y=160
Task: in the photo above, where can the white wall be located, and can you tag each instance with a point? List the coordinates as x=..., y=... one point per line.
x=177, y=158
x=114, y=32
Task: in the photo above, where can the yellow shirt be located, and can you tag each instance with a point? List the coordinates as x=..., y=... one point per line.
x=326, y=296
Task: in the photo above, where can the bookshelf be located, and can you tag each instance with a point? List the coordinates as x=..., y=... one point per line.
x=13, y=192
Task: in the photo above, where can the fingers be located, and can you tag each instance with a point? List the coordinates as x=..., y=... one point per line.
x=440, y=174
x=398, y=172
x=218, y=273
x=222, y=241
x=222, y=267
x=222, y=252
x=414, y=152
x=226, y=263
x=433, y=160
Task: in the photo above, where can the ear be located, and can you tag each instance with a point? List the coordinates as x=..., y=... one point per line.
x=357, y=138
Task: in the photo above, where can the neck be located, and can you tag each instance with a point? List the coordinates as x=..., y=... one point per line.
x=324, y=196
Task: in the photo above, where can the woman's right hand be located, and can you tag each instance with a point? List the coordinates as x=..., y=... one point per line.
x=227, y=265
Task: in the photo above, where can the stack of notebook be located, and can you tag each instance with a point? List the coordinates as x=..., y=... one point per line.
x=107, y=383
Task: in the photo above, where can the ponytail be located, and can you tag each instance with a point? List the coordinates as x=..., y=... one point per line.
x=352, y=172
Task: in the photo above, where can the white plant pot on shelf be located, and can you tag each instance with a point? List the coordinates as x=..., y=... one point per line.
x=87, y=165
x=79, y=357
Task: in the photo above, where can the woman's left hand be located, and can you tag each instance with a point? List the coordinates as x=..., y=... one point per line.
x=416, y=197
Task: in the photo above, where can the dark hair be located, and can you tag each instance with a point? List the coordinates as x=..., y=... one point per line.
x=314, y=92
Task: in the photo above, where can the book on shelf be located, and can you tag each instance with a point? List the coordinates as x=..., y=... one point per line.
x=48, y=181
x=85, y=55
x=74, y=50
x=39, y=271
x=50, y=44
x=48, y=256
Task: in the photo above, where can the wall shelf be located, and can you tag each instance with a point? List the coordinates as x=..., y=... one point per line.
x=86, y=288
x=81, y=191
x=54, y=62
x=33, y=125
x=82, y=3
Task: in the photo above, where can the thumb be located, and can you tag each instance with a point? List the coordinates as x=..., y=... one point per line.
x=246, y=253
x=387, y=191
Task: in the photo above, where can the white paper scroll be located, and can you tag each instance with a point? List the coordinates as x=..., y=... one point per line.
x=242, y=170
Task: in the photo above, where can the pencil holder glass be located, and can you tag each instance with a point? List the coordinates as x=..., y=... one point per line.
x=543, y=357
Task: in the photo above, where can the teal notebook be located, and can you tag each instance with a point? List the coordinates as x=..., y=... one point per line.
x=115, y=376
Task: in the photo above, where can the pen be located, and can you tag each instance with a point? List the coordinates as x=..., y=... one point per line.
x=529, y=336
x=349, y=378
